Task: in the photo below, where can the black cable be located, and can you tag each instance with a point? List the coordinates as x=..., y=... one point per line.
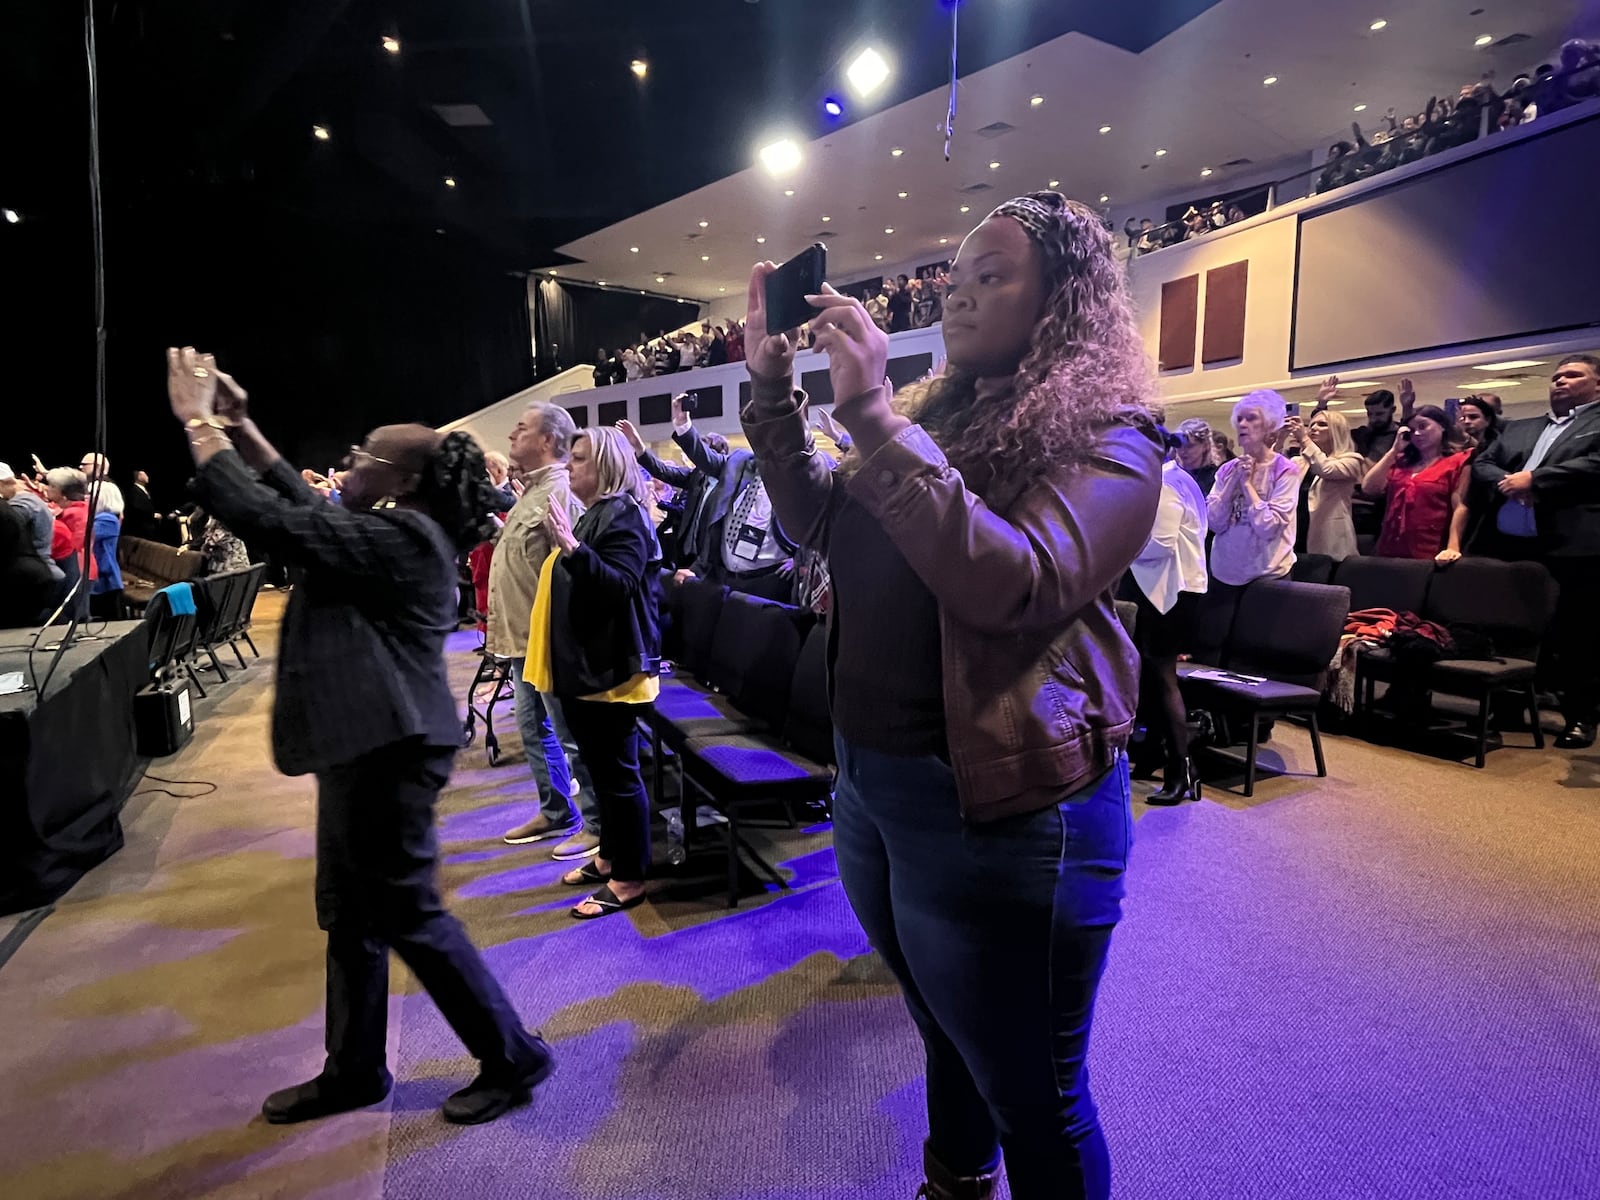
x=96, y=212
x=200, y=783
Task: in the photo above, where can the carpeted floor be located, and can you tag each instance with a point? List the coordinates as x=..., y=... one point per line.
x=1386, y=984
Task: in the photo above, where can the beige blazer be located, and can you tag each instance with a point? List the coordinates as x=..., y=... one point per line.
x=1331, y=530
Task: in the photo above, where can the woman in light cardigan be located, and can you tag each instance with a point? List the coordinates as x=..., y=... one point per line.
x=1254, y=499
x=1331, y=460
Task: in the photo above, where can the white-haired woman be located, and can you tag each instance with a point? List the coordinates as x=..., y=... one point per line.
x=1253, y=502
x=1334, y=466
x=596, y=644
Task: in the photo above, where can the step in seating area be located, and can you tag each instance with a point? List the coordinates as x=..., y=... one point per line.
x=744, y=714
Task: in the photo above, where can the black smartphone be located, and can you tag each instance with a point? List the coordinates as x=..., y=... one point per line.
x=790, y=284
x=1291, y=410
x=1452, y=408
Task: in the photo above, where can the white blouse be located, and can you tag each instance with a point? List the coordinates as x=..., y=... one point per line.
x=1174, y=559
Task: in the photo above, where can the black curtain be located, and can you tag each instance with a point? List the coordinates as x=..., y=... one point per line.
x=571, y=323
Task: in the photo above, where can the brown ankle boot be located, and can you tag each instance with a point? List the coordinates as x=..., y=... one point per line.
x=944, y=1184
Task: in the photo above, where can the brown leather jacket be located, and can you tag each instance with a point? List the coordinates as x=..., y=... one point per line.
x=1040, y=679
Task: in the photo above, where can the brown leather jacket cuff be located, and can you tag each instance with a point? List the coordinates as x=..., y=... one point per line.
x=775, y=418
x=910, y=453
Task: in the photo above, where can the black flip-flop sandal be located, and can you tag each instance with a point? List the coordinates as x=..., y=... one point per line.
x=608, y=902
x=588, y=876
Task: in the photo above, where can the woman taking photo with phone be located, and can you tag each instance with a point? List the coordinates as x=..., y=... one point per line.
x=1424, y=478
x=983, y=688
x=1334, y=468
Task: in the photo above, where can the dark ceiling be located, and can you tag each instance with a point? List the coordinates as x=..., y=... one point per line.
x=227, y=220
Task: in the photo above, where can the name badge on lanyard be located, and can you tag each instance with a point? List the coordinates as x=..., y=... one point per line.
x=753, y=528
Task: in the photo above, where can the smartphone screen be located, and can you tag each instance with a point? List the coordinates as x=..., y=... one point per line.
x=1292, y=410
x=1452, y=407
x=788, y=287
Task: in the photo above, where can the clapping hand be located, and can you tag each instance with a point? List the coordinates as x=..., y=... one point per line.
x=191, y=384
x=828, y=427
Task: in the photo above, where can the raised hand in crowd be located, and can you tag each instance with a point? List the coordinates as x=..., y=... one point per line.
x=768, y=354
x=625, y=427
x=1328, y=392
x=829, y=428
x=559, y=526
x=1408, y=400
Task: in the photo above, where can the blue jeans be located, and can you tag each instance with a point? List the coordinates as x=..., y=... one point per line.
x=998, y=935
x=552, y=755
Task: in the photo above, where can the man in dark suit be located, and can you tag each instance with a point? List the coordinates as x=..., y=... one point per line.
x=139, y=517
x=1541, y=478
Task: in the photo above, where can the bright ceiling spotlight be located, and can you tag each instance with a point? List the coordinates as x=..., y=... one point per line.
x=1105, y=129
x=780, y=157
x=1380, y=23
x=661, y=278
x=1104, y=199
x=633, y=249
x=320, y=132
x=888, y=228
x=449, y=181
x=994, y=166
x=788, y=191
x=704, y=224
x=1035, y=101
x=944, y=241
x=832, y=107
x=392, y=45
x=1269, y=81
x=966, y=208
x=639, y=67
x=1205, y=172
x=1483, y=39
x=760, y=241
x=11, y=215
x=705, y=258
x=826, y=219
x=902, y=195
x=867, y=73
x=1055, y=183
x=1162, y=153
x=1359, y=108
x=896, y=152
x=877, y=258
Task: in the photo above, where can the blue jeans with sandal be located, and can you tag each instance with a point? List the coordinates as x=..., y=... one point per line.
x=998, y=935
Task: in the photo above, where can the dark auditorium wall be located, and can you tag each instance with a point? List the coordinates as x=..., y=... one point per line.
x=571, y=323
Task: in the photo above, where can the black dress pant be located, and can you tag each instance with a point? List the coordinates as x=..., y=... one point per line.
x=1572, y=645
x=608, y=742
x=377, y=861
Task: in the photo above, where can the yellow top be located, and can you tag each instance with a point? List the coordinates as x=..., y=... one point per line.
x=641, y=689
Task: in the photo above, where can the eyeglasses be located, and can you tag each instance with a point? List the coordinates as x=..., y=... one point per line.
x=356, y=452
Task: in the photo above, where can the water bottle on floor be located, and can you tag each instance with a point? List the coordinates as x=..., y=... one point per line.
x=677, y=854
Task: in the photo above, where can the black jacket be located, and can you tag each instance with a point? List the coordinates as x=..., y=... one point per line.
x=1566, y=485
x=605, y=600
x=361, y=656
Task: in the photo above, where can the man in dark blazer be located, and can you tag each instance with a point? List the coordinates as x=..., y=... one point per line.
x=1541, y=478
x=139, y=518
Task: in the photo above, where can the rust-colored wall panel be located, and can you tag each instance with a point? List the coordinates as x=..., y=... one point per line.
x=1223, y=339
x=1180, y=309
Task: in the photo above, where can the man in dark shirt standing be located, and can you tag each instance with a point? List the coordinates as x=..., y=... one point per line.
x=1372, y=441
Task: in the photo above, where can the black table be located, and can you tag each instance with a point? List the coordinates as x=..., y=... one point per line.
x=67, y=764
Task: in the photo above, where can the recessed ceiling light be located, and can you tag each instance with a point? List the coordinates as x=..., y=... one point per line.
x=877, y=258
x=641, y=291
x=760, y=240
x=788, y=191
x=994, y=166
x=826, y=219
x=1035, y=101
x=320, y=132
x=1359, y=108
x=888, y=228
x=832, y=107
x=449, y=181
x=902, y=195
x=1269, y=81
x=392, y=45
x=549, y=272
x=601, y=282
x=896, y=152
x=1055, y=183
x=661, y=278
x=1352, y=385
x=1484, y=39
x=1380, y=23
x=780, y=157
x=705, y=258
x=944, y=241
x=1161, y=153
x=1205, y=172
x=722, y=289
x=639, y=67
x=1104, y=198
x=1513, y=365
x=1491, y=383
x=1105, y=129
x=633, y=249
x=966, y=208
x=867, y=73
x=704, y=224
x=11, y=215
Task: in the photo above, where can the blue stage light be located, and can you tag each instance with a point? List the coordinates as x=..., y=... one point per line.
x=832, y=107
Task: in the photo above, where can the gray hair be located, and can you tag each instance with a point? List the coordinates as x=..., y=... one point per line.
x=102, y=464
x=558, y=423
x=1266, y=402
x=69, y=481
x=1196, y=431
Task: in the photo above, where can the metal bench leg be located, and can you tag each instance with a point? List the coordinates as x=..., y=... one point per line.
x=1250, y=755
x=217, y=663
x=1533, y=717
x=733, y=856
x=1316, y=747
x=1483, y=727
x=254, y=652
x=233, y=644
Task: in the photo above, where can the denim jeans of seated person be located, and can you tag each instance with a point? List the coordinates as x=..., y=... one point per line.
x=552, y=755
x=998, y=935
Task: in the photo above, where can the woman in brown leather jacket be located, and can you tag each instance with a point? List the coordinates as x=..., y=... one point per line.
x=983, y=688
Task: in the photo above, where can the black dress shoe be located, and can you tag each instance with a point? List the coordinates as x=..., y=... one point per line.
x=319, y=1097
x=493, y=1094
x=1578, y=735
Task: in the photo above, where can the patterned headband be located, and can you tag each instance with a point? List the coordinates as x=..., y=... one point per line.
x=1044, y=217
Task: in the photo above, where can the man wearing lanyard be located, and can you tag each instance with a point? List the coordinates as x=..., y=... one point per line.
x=1544, y=476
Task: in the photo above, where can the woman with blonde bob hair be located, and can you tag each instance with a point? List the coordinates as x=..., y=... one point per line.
x=1334, y=467
x=596, y=644
x=983, y=688
x=1254, y=500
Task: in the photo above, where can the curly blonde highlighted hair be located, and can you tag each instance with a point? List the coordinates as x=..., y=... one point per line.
x=1085, y=367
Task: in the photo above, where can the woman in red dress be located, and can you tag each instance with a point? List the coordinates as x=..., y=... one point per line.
x=1424, y=477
